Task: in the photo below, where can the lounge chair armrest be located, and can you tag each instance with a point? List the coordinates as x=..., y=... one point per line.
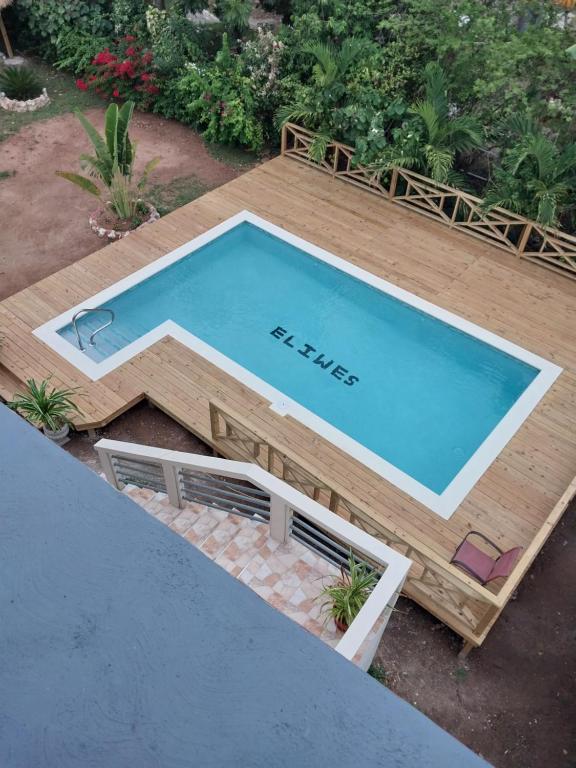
x=484, y=538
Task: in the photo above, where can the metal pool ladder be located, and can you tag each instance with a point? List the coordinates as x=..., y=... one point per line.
x=94, y=333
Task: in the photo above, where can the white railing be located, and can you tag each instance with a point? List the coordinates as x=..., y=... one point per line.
x=164, y=469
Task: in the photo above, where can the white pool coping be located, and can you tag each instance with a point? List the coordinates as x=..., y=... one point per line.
x=443, y=504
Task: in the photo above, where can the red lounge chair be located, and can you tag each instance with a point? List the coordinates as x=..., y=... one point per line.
x=481, y=566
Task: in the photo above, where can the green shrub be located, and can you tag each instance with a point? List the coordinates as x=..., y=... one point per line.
x=174, y=40
x=216, y=98
x=20, y=83
x=40, y=23
x=129, y=16
x=75, y=50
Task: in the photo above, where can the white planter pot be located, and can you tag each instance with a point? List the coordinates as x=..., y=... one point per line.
x=115, y=234
x=59, y=436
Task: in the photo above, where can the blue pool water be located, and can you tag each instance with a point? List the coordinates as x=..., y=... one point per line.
x=412, y=389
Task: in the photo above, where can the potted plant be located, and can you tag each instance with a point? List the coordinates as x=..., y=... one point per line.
x=21, y=90
x=123, y=209
x=49, y=409
x=348, y=593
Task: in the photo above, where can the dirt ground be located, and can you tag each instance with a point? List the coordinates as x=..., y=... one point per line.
x=513, y=700
x=44, y=219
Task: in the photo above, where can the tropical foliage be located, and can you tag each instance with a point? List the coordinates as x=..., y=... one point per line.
x=348, y=593
x=45, y=406
x=112, y=165
x=536, y=177
x=434, y=133
x=419, y=83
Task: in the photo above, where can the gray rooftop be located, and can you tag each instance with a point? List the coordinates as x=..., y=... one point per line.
x=122, y=646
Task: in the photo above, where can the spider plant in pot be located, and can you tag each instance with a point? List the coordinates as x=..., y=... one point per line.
x=347, y=594
x=47, y=408
x=111, y=175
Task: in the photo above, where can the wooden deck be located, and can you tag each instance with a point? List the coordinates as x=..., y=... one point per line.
x=518, y=499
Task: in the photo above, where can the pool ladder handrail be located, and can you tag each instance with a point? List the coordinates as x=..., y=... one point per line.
x=93, y=334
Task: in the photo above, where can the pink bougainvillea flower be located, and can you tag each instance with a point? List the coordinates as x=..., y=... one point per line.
x=130, y=51
x=145, y=77
x=115, y=93
x=129, y=38
x=81, y=85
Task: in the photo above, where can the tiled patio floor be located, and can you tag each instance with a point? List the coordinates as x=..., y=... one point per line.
x=289, y=576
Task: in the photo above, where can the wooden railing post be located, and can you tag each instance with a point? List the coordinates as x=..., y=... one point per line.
x=284, y=139
x=336, y=157
x=393, y=183
x=524, y=239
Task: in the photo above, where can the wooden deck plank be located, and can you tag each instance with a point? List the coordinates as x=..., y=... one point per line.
x=515, y=299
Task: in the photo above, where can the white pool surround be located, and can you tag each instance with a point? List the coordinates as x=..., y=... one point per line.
x=443, y=504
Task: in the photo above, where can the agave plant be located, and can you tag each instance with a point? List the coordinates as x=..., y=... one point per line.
x=20, y=83
x=113, y=162
x=48, y=408
x=347, y=595
x=537, y=178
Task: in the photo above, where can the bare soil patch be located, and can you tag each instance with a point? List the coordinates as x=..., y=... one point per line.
x=44, y=219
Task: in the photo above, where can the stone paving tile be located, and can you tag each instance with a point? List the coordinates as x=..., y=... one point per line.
x=289, y=576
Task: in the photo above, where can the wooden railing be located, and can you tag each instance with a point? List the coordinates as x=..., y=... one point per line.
x=459, y=210
x=445, y=591
x=457, y=600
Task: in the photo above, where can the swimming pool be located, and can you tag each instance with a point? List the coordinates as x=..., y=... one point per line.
x=421, y=396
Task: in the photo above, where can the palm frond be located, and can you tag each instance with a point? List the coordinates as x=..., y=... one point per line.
x=125, y=153
x=98, y=142
x=318, y=147
x=548, y=208
x=81, y=181
x=440, y=161
x=518, y=124
x=350, y=51
x=296, y=113
x=95, y=167
x=111, y=130
x=426, y=111
x=436, y=88
x=148, y=168
x=326, y=67
x=464, y=133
